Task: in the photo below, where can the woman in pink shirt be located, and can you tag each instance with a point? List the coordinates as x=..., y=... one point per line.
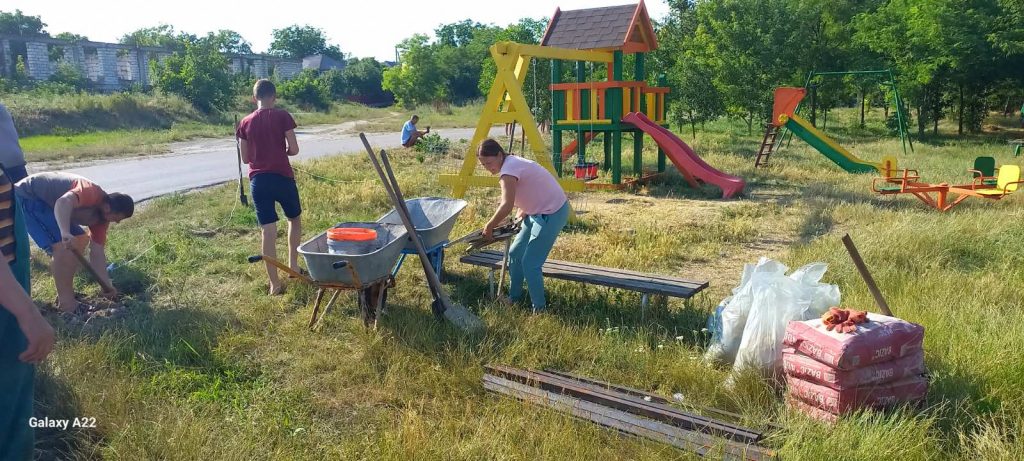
x=543, y=205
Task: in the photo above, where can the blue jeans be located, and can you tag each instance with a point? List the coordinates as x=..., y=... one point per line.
x=529, y=251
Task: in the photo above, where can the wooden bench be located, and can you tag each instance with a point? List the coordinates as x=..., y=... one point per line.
x=646, y=284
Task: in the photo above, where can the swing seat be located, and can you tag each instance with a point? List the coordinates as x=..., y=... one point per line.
x=586, y=171
x=1007, y=183
x=985, y=171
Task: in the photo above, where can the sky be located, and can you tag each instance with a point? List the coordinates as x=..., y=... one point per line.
x=371, y=29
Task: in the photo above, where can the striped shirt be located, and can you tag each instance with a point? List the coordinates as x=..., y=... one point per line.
x=7, y=243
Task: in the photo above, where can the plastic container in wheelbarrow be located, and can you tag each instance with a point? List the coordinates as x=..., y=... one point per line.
x=372, y=264
x=433, y=217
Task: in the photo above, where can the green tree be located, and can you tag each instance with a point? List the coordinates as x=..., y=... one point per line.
x=751, y=48
x=333, y=80
x=199, y=73
x=364, y=78
x=71, y=37
x=947, y=55
x=298, y=42
x=535, y=88
x=229, y=41
x=19, y=25
x=163, y=36
x=419, y=78
x=306, y=89
x=694, y=97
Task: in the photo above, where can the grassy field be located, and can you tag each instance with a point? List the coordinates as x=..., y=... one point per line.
x=72, y=128
x=205, y=366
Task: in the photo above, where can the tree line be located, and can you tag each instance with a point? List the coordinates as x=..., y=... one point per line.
x=953, y=59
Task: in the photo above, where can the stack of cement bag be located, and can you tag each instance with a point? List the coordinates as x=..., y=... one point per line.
x=830, y=373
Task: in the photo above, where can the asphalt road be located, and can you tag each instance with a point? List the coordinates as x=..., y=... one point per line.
x=208, y=162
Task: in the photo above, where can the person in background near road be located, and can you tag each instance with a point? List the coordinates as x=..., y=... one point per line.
x=12, y=159
x=267, y=139
x=25, y=337
x=410, y=136
x=55, y=206
x=541, y=201
x=1022, y=115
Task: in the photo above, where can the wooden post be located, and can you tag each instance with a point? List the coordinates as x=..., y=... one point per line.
x=662, y=82
x=557, y=104
x=616, y=118
x=870, y=281
x=581, y=146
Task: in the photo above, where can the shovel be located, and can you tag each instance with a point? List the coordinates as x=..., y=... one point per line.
x=442, y=305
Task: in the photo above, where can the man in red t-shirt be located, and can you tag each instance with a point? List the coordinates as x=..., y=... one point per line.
x=267, y=139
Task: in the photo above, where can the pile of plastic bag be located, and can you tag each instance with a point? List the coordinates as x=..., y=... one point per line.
x=749, y=326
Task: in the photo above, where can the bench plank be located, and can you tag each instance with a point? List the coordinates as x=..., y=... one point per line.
x=595, y=275
x=492, y=259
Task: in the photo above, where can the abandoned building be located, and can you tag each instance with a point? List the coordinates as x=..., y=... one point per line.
x=113, y=66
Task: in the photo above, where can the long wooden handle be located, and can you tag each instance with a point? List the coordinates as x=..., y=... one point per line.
x=504, y=266
x=868, y=279
x=397, y=199
x=92, y=271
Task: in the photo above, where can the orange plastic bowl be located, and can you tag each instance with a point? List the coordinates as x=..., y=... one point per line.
x=351, y=234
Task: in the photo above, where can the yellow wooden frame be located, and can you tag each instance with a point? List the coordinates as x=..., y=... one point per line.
x=506, y=103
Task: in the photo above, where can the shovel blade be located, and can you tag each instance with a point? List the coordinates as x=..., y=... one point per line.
x=463, y=319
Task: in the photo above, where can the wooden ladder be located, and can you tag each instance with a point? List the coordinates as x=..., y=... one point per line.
x=767, y=145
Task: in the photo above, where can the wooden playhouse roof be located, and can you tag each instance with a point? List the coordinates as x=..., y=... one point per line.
x=624, y=27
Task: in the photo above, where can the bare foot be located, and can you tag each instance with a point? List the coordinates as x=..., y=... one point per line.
x=276, y=290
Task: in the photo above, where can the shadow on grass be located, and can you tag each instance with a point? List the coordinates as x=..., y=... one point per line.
x=56, y=399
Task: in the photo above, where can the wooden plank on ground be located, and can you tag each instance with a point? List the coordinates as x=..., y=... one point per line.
x=630, y=404
x=493, y=258
x=699, y=443
x=570, y=271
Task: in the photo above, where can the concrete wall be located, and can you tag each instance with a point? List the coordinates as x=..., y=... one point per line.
x=112, y=66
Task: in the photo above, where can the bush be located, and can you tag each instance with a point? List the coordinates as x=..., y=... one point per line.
x=68, y=76
x=199, y=74
x=433, y=143
x=334, y=81
x=306, y=90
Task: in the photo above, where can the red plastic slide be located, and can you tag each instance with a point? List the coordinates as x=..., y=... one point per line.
x=570, y=149
x=683, y=157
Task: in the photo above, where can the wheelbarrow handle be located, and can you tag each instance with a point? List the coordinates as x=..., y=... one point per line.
x=339, y=264
x=281, y=266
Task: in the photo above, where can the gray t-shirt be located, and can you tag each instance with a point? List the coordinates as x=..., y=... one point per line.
x=10, y=151
x=47, y=187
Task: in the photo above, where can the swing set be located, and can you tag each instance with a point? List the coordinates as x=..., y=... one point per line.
x=593, y=36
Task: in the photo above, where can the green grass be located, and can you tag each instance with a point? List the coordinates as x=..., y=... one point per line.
x=207, y=367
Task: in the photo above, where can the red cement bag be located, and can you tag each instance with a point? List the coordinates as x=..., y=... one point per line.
x=811, y=410
x=879, y=340
x=800, y=366
x=846, y=400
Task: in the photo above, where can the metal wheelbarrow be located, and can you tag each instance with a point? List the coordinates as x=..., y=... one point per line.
x=367, y=270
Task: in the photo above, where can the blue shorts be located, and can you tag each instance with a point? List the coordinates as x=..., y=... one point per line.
x=42, y=224
x=270, y=188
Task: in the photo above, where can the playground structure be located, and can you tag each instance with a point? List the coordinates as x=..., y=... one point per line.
x=937, y=196
x=787, y=99
x=590, y=37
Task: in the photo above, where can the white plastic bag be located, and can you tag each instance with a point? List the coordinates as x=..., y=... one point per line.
x=754, y=319
x=734, y=314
